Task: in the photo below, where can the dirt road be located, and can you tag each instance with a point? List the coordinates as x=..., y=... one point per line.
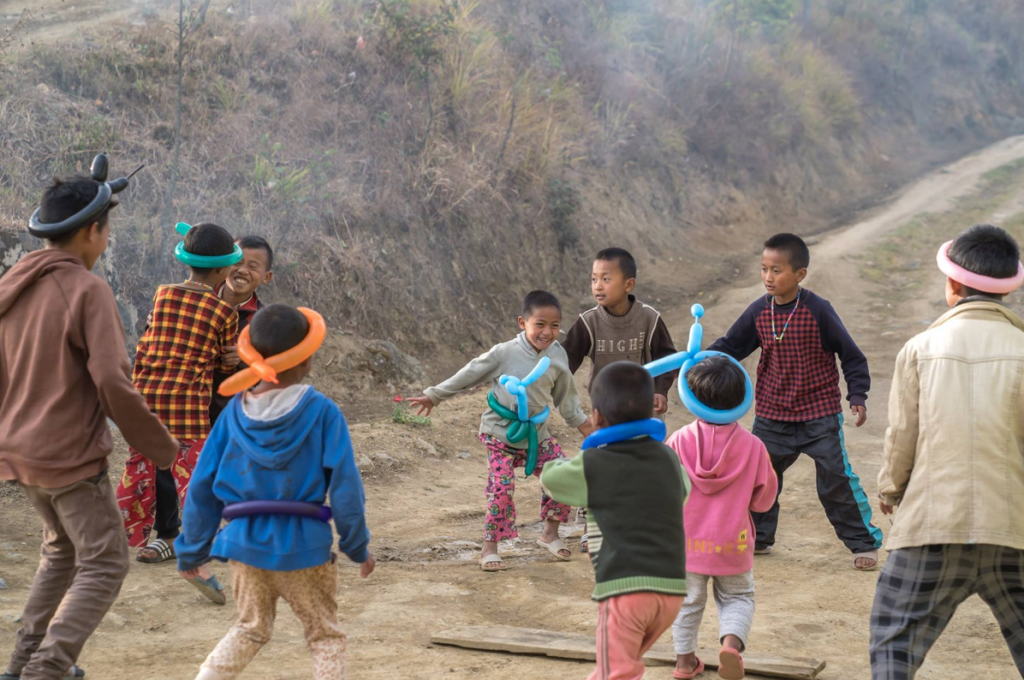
x=425, y=504
x=47, y=20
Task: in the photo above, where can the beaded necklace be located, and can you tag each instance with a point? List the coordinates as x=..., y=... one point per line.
x=778, y=337
x=197, y=284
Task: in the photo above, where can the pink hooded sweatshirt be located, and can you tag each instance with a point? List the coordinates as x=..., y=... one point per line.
x=731, y=476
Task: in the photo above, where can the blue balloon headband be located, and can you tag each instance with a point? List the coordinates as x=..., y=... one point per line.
x=204, y=261
x=84, y=217
x=652, y=427
x=687, y=360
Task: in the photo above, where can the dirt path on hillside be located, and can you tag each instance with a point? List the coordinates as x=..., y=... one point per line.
x=425, y=493
x=47, y=20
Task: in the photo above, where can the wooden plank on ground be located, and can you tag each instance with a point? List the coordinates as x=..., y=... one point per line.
x=582, y=647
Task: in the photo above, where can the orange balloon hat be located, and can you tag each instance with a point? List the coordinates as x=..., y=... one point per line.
x=266, y=369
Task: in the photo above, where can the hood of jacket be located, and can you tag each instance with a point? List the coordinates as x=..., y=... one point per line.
x=30, y=269
x=717, y=456
x=272, y=427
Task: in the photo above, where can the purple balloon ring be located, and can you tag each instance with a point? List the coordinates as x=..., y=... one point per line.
x=293, y=508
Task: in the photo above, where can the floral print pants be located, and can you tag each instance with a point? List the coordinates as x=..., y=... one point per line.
x=502, y=460
x=136, y=493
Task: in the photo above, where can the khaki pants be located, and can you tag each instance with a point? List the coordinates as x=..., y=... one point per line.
x=83, y=561
x=312, y=595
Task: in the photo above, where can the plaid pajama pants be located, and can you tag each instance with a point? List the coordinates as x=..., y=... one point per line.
x=920, y=589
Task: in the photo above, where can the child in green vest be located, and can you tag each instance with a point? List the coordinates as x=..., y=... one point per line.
x=634, y=488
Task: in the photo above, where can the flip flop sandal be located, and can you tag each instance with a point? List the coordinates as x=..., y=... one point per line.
x=871, y=555
x=730, y=665
x=164, y=551
x=211, y=589
x=73, y=674
x=584, y=544
x=683, y=675
x=492, y=559
x=554, y=546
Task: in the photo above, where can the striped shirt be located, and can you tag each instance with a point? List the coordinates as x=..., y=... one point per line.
x=177, y=355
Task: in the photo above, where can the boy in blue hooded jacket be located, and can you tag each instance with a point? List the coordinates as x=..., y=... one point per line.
x=277, y=442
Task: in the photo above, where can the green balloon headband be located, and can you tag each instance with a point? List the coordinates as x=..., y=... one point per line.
x=204, y=261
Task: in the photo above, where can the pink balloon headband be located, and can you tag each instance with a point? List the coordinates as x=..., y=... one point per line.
x=985, y=284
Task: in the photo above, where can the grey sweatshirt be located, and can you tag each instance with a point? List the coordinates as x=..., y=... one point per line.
x=517, y=358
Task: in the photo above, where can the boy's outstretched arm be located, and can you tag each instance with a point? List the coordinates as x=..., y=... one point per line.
x=482, y=369
x=837, y=339
x=565, y=482
x=902, y=434
x=108, y=366
x=577, y=345
x=345, y=490
x=741, y=339
x=201, y=518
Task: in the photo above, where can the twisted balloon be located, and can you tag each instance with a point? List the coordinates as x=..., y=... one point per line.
x=684, y=361
x=522, y=426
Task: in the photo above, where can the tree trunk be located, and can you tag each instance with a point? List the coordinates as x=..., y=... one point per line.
x=201, y=16
x=169, y=201
x=508, y=131
x=430, y=110
x=732, y=37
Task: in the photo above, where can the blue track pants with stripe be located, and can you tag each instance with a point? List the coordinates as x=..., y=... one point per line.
x=839, y=489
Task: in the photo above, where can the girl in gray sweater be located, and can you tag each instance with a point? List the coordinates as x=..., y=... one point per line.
x=500, y=429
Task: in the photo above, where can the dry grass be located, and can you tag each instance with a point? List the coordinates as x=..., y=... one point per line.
x=404, y=227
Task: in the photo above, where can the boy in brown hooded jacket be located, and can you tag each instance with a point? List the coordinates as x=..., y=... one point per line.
x=63, y=372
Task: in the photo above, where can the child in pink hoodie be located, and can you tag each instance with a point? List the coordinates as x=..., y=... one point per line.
x=731, y=475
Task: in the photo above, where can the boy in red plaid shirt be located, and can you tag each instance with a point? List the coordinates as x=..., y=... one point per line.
x=174, y=367
x=255, y=269
x=799, y=404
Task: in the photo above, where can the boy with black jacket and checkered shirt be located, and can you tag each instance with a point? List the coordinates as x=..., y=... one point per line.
x=799, y=403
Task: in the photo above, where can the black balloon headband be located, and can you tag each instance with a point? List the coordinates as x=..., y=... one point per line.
x=85, y=216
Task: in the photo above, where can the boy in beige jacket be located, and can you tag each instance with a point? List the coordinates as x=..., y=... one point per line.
x=953, y=463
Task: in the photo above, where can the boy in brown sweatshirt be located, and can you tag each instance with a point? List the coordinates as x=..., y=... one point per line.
x=63, y=372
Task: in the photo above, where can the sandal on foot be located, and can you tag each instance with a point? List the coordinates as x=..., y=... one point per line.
x=871, y=555
x=584, y=544
x=73, y=674
x=730, y=665
x=684, y=675
x=161, y=549
x=211, y=589
x=492, y=563
x=555, y=547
